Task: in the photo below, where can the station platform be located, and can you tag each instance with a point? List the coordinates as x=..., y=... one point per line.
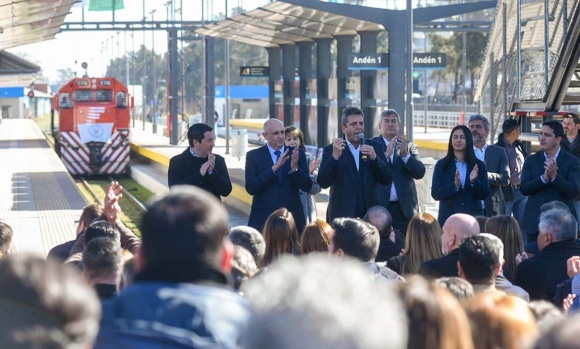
x=38, y=197
x=156, y=147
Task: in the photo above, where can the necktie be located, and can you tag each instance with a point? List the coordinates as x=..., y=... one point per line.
x=277, y=153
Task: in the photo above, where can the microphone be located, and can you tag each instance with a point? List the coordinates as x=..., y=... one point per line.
x=361, y=138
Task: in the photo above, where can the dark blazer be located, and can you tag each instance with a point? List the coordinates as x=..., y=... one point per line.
x=441, y=267
x=341, y=176
x=465, y=200
x=540, y=274
x=271, y=193
x=404, y=176
x=564, y=188
x=498, y=175
x=574, y=149
x=184, y=169
x=508, y=191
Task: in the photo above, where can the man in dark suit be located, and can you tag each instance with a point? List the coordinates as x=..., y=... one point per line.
x=274, y=175
x=496, y=163
x=571, y=142
x=457, y=228
x=548, y=175
x=404, y=160
x=540, y=274
x=352, y=167
x=198, y=166
x=389, y=247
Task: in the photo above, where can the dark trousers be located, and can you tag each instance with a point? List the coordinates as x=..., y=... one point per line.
x=400, y=222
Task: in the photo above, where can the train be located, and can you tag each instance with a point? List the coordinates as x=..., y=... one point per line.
x=90, y=126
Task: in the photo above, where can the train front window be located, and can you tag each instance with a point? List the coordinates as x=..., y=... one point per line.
x=84, y=96
x=104, y=95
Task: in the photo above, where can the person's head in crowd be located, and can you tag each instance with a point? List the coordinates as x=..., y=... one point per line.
x=322, y=302
x=479, y=126
x=480, y=259
x=423, y=242
x=458, y=287
x=243, y=266
x=551, y=136
x=129, y=271
x=501, y=321
x=507, y=229
x=280, y=235
x=183, y=231
x=102, y=262
x=460, y=147
x=355, y=238
x=381, y=219
x=250, y=239
x=435, y=318
x=274, y=133
x=556, y=225
x=552, y=205
x=6, y=235
x=481, y=220
x=456, y=229
x=102, y=228
x=563, y=336
x=316, y=237
x=294, y=137
x=571, y=124
x=547, y=315
x=89, y=214
x=201, y=139
x=511, y=130
x=45, y=304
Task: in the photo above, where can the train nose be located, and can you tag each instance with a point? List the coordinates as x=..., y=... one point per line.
x=95, y=155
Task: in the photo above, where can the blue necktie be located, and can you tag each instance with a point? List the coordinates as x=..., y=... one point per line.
x=277, y=153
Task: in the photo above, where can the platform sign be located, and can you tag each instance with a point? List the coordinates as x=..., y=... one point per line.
x=429, y=60
x=368, y=61
x=254, y=71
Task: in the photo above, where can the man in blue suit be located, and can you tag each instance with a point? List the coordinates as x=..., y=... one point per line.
x=352, y=167
x=400, y=198
x=274, y=175
x=550, y=174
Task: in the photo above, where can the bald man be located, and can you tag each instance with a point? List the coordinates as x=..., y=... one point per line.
x=274, y=175
x=457, y=228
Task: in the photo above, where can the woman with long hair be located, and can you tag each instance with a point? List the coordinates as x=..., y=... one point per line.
x=316, y=237
x=507, y=229
x=295, y=138
x=460, y=179
x=280, y=236
x=422, y=243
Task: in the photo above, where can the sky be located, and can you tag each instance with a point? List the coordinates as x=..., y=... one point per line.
x=71, y=48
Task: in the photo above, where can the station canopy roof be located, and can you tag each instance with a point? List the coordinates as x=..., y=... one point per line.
x=279, y=23
x=28, y=21
x=15, y=71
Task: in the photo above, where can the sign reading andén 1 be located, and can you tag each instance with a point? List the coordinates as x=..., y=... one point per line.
x=254, y=71
x=368, y=61
x=429, y=60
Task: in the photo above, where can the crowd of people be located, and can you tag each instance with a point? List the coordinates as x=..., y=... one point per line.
x=498, y=268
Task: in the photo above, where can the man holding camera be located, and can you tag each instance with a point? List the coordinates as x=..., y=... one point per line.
x=405, y=162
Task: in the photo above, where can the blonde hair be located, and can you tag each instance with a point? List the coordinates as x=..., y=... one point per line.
x=507, y=229
x=423, y=242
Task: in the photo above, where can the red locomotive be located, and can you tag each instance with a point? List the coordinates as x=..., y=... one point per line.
x=90, y=125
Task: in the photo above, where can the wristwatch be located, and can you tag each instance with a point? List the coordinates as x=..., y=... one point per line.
x=292, y=171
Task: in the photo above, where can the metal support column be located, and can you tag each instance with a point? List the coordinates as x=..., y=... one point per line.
x=209, y=80
x=307, y=120
x=289, y=76
x=173, y=85
x=344, y=47
x=368, y=78
x=323, y=73
x=397, y=68
x=274, y=57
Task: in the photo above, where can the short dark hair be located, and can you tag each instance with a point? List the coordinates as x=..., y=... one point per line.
x=348, y=112
x=197, y=132
x=6, y=235
x=186, y=227
x=390, y=112
x=479, y=259
x=102, y=258
x=250, y=239
x=572, y=116
x=556, y=127
x=509, y=125
x=45, y=304
x=356, y=238
x=102, y=228
x=380, y=218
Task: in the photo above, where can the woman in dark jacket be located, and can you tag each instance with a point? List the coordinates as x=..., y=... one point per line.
x=460, y=179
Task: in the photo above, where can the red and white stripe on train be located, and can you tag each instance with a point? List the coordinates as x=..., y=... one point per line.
x=90, y=124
